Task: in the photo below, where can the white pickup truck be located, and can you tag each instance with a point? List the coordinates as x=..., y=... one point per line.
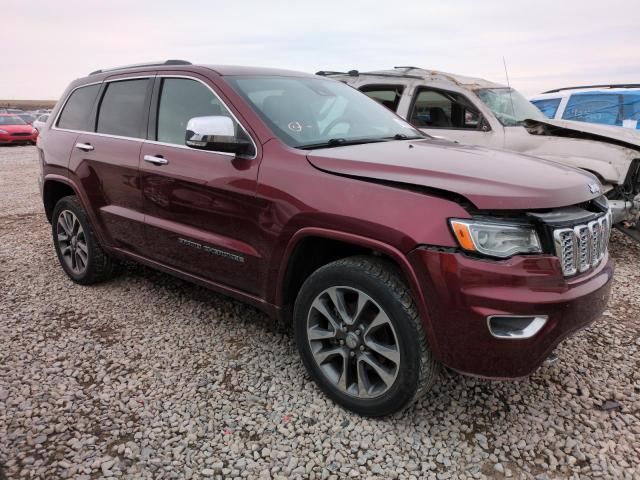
x=479, y=112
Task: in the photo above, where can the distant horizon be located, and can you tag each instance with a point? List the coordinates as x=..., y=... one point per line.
x=546, y=45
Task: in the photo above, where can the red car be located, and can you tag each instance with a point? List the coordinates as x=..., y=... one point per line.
x=390, y=252
x=15, y=130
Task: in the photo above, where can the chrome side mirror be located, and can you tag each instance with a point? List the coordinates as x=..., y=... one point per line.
x=217, y=133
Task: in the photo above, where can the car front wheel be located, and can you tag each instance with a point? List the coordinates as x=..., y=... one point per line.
x=361, y=338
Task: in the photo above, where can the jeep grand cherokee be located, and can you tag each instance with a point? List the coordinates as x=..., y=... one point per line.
x=389, y=252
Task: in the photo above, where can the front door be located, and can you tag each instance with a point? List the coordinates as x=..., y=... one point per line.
x=442, y=113
x=200, y=206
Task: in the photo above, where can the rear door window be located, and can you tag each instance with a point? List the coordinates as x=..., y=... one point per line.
x=594, y=107
x=548, y=106
x=443, y=109
x=124, y=109
x=76, y=112
x=387, y=95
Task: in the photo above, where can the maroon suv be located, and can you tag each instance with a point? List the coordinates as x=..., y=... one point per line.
x=389, y=251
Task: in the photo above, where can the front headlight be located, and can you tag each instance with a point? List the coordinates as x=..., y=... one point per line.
x=4, y=132
x=495, y=239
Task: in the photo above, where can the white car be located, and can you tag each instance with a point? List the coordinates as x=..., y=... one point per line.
x=40, y=122
x=480, y=112
x=614, y=105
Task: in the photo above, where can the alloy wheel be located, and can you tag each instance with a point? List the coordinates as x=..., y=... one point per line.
x=72, y=242
x=353, y=342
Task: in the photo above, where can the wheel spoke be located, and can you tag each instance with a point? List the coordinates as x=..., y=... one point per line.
x=337, y=297
x=83, y=246
x=62, y=223
x=379, y=320
x=363, y=300
x=385, y=375
x=318, y=333
x=75, y=226
x=389, y=352
x=65, y=250
x=323, y=355
x=364, y=385
x=320, y=306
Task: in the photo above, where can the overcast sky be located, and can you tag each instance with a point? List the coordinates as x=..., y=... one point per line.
x=546, y=44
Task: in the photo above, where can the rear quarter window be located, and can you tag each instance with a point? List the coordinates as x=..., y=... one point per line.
x=77, y=110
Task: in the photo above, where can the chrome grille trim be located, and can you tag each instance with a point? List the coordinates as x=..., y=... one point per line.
x=584, y=246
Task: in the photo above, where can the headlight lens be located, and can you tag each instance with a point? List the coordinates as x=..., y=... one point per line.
x=495, y=239
x=4, y=132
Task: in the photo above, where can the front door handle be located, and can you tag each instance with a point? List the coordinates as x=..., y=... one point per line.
x=156, y=160
x=85, y=147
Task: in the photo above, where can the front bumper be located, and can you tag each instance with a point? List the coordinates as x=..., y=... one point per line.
x=461, y=293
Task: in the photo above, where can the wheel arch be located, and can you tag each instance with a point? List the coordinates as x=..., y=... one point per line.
x=292, y=273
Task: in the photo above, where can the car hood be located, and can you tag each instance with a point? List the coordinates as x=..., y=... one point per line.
x=490, y=179
x=16, y=128
x=567, y=128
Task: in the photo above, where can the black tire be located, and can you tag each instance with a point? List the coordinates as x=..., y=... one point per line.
x=99, y=266
x=379, y=280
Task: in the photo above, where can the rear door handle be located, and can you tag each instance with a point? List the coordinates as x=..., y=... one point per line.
x=85, y=147
x=156, y=160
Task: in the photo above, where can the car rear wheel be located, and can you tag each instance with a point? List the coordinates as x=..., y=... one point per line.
x=361, y=338
x=79, y=253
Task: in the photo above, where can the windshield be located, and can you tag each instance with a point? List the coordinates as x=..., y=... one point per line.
x=307, y=112
x=11, y=120
x=509, y=106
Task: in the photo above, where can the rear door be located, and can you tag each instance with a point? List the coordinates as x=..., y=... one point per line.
x=200, y=206
x=105, y=160
x=74, y=118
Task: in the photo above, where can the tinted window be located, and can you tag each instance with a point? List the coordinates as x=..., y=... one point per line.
x=122, y=110
x=442, y=109
x=182, y=99
x=631, y=110
x=387, y=95
x=594, y=107
x=76, y=112
x=548, y=106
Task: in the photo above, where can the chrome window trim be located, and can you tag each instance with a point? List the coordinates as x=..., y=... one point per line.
x=154, y=142
x=188, y=77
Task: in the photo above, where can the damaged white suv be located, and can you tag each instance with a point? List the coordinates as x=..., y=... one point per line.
x=479, y=112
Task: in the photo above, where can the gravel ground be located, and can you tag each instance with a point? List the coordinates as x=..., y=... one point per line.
x=150, y=377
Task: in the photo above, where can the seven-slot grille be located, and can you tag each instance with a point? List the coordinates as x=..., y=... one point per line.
x=583, y=246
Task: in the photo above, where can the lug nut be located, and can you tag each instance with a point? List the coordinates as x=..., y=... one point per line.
x=362, y=348
x=352, y=354
x=341, y=342
x=357, y=331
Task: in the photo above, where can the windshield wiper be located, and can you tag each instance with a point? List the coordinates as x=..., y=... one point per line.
x=340, y=142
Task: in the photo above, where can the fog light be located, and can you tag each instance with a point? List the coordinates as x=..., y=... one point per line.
x=515, y=327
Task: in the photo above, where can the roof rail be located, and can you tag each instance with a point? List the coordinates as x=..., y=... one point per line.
x=613, y=85
x=356, y=73
x=148, y=64
x=325, y=73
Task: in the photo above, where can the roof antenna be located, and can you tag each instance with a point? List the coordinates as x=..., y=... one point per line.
x=506, y=73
